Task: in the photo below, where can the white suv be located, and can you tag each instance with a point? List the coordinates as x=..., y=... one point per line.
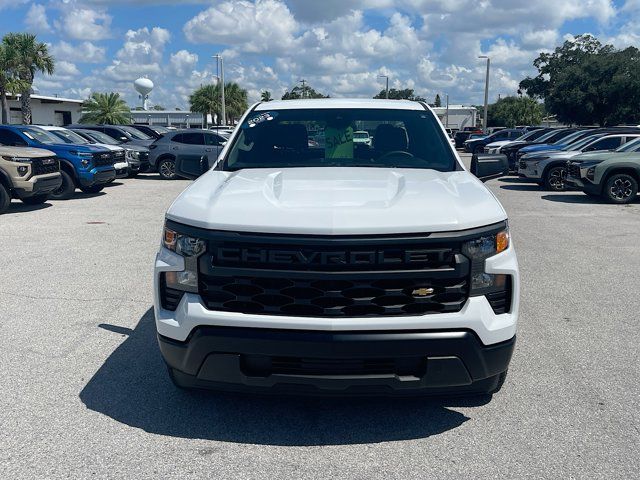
x=344, y=268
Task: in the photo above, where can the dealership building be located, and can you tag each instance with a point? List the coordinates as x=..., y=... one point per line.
x=47, y=110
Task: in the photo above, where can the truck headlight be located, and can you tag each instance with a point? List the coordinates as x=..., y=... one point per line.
x=132, y=154
x=478, y=251
x=190, y=248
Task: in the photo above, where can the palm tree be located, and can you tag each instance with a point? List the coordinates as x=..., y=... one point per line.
x=266, y=96
x=106, y=108
x=206, y=99
x=9, y=81
x=31, y=57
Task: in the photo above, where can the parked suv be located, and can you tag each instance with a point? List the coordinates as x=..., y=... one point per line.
x=86, y=167
x=343, y=268
x=29, y=174
x=121, y=133
x=477, y=145
x=187, y=145
x=152, y=131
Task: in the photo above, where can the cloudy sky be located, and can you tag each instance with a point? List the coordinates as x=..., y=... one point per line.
x=339, y=46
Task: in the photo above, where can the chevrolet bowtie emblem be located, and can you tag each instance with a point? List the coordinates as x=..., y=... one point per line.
x=422, y=292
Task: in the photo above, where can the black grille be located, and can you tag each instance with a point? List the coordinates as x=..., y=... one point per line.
x=118, y=156
x=258, y=365
x=103, y=159
x=334, y=297
x=573, y=170
x=334, y=278
x=38, y=166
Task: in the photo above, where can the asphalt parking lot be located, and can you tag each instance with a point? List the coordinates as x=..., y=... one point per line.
x=85, y=394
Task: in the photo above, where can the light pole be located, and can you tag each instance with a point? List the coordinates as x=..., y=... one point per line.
x=446, y=122
x=486, y=94
x=221, y=76
x=386, y=90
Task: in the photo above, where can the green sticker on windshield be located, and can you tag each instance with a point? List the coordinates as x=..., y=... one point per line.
x=338, y=142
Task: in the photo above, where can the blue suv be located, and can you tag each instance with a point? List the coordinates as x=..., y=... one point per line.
x=86, y=167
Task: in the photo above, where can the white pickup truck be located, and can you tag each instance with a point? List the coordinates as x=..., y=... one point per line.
x=338, y=267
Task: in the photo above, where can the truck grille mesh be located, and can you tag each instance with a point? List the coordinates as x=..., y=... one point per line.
x=39, y=168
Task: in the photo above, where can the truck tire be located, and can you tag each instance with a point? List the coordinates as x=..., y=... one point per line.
x=620, y=188
x=92, y=189
x=67, y=188
x=36, y=199
x=167, y=169
x=554, y=179
x=5, y=199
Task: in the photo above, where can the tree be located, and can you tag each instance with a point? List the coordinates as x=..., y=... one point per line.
x=512, y=111
x=404, y=94
x=106, y=108
x=266, y=96
x=437, y=102
x=302, y=91
x=584, y=82
x=9, y=80
x=207, y=100
x=31, y=57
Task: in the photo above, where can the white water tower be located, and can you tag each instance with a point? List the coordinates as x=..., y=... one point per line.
x=143, y=86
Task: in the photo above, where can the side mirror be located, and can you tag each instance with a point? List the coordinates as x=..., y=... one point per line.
x=489, y=166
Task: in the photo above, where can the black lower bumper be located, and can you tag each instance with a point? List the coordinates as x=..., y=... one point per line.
x=343, y=363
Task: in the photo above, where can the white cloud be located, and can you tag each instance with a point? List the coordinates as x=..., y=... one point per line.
x=84, y=52
x=144, y=46
x=36, y=19
x=183, y=62
x=263, y=26
x=83, y=23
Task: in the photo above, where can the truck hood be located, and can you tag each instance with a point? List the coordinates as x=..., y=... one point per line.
x=337, y=201
x=28, y=152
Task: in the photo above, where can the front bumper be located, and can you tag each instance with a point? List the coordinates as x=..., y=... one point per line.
x=96, y=176
x=531, y=170
x=122, y=169
x=343, y=363
x=38, y=185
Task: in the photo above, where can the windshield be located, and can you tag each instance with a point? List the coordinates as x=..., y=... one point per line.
x=632, y=146
x=101, y=137
x=281, y=139
x=69, y=137
x=41, y=136
x=578, y=144
x=532, y=135
x=135, y=133
x=571, y=138
x=159, y=130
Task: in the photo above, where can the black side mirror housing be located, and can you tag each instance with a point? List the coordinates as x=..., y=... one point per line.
x=489, y=166
x=192, y=168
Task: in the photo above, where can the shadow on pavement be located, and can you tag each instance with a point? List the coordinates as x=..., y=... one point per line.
x=133, y=387
x=522, y=187
x=19, y=207
x=574, y=198
x=515, y=180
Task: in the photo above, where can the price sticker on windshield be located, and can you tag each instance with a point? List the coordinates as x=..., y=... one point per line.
x=263, y=117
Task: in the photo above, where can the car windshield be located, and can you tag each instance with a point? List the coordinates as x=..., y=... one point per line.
x=577, y=145
x=101, y=137
x=632, y=146
x=41, y=136
x=137, y=134
x=400, y=139
x=529, y=136
x=69, y=137
x=159, y=130
x=571, y=138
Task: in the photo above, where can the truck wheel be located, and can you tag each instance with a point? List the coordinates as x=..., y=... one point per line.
x=554, y=179
x=167, y=169
x=67, y=188
x=92, y=189
x=36, y=199
x=620, y=188
x=5, y=199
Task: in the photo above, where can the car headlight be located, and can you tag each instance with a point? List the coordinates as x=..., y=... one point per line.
x=17, y=159
x=478, y=250
x=190, y=248
x=132, y=154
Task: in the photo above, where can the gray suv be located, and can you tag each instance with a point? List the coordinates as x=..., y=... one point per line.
x=187, y=146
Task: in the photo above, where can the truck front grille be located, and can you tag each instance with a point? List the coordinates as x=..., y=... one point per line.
x=103, y=159
x=321, y=277
x=42, y=166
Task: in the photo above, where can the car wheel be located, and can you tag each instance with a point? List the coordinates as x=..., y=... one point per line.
x=167, y=169
x=5, y=199
x=621, y=188
x=92, y=189
x=554, y=179
x=36, y=199
x=66, y=190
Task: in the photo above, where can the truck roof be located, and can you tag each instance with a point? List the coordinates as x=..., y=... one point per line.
x=339, y=103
